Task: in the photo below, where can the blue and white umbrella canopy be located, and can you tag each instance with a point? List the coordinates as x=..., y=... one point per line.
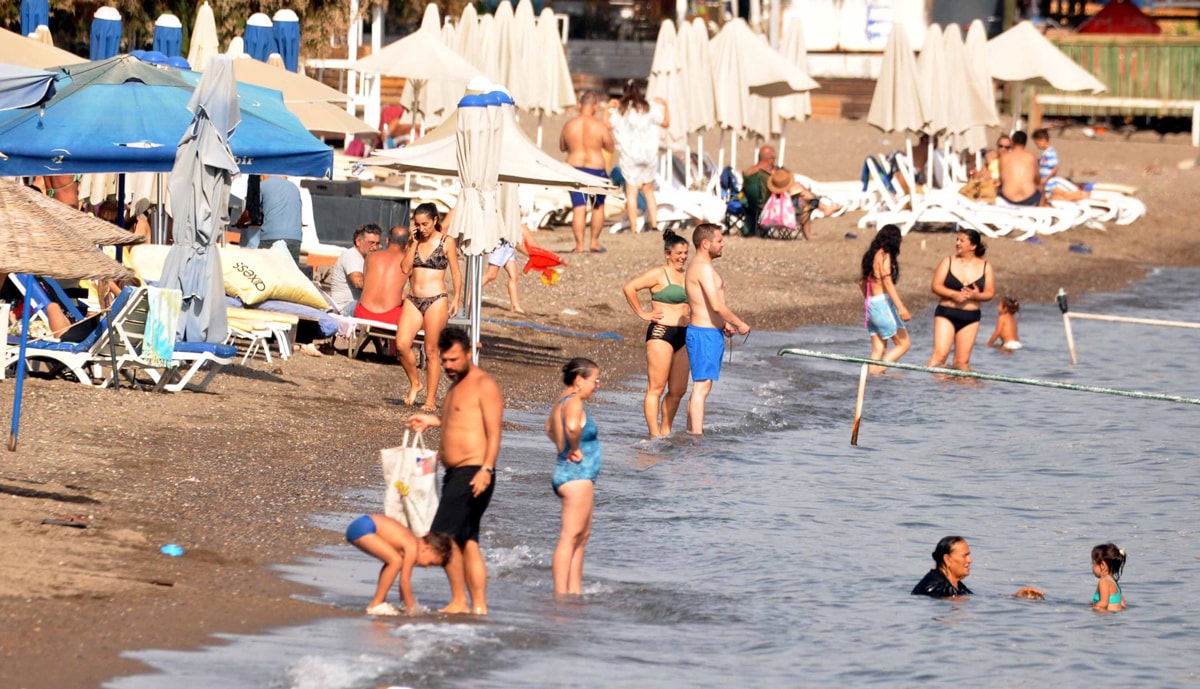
x=259, y=37
x=122, y=115
x=34, y=13
x=106, y=34
x=168, y=35
x=287, y=38
x=21, y=87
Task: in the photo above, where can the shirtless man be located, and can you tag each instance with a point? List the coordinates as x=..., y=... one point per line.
x=584, y=139
x=1020, y=183
x=383, y=281
x=470, y=423
x=711, y=320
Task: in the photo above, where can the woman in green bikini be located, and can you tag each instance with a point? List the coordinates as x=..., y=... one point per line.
x=668, y=317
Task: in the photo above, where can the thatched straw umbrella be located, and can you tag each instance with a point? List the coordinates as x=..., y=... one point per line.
x=43, y=237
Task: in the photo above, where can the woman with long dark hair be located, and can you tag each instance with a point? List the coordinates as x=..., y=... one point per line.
x=430, y=253
x=666, y=333
x=885, y=310
x=635, y=124
x=962, y=282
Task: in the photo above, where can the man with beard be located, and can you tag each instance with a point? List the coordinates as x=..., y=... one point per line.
x=470, y=423
x=712, y=320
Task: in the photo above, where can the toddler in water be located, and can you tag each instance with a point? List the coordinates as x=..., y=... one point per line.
x=400, y=550
x=1006, y=325
x=1107, y=562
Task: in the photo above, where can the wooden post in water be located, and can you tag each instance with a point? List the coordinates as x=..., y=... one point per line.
x=858, y=404
x=1061, y=298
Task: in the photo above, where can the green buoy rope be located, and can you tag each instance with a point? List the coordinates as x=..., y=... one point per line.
x=990, y=376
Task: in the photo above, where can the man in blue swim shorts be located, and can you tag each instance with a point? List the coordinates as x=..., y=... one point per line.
x=711, y=320
x=584, y=139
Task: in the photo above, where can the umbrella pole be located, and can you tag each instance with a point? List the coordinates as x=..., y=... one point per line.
x=26, y=314
x=476, y=297
x=541, y=114
x=700, y=156
x=1017, y=105
x=687, y=162
x=160, y=211
x=782, y=147
x=733, y=148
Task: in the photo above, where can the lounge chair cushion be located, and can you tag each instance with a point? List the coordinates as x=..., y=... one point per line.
x=223, y=351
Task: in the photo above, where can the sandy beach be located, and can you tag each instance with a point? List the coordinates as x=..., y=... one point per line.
x=234, y=474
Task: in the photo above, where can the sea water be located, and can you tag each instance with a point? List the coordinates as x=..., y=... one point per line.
x=772, y=553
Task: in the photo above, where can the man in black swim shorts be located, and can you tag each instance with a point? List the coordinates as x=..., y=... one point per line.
x=471, y=415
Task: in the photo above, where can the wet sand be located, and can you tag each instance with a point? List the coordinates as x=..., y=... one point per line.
x=233, y=475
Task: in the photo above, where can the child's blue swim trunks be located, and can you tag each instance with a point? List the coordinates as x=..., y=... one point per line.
x=360, y=527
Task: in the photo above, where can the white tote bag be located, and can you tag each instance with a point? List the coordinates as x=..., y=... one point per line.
x=411, y=474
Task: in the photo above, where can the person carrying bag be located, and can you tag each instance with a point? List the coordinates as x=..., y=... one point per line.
x=411, y=475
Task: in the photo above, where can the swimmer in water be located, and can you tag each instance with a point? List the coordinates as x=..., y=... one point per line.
x=952, y=557
x=1006, y=325
x=1107, y=562
x=392, y=542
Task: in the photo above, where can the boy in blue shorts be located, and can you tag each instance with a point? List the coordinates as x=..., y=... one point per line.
x=390, y=541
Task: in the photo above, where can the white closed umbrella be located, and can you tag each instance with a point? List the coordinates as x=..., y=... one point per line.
x=203, y=42
x=666, y=82
x=898, y=103
x=551, y=92
x=478, y=146
x=696, y=68
x=498, y=57
x=523, y=69
x=799, y=106
x=1022, y=55
x=468, y=41
x=931, y=77
x=968, y=108
x=981, y=73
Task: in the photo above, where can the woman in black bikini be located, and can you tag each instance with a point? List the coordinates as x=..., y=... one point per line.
x=428, y=256
x=962, y=282
x=666, y=355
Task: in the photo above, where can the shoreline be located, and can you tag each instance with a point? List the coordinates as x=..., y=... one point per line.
x=234, y=475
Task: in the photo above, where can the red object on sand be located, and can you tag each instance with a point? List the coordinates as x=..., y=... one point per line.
x=1120, y=17
x=542, y=261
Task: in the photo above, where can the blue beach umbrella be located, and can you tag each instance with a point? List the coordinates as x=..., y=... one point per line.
x=178, y=62
x=40, y=237
x=34, y=13
x=122, y=115
x=106, y=34
x=168, y=35
x=259, y=37
x=287, y=38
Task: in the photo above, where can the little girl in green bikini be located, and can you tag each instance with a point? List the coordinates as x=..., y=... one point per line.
x=1107, y=562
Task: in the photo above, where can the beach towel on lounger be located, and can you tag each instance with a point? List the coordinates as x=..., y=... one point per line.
x=158, y=345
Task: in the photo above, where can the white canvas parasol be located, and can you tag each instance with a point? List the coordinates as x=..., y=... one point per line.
x=967, y=106
x=1022, y=55
x=898, y=103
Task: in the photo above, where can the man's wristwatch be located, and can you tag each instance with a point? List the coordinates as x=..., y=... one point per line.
x=490, y=470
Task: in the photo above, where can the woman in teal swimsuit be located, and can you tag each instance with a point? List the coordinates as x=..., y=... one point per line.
x=666, y=353
x=574, y=434
x=1107, y=562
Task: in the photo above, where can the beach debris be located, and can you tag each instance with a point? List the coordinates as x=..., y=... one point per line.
x=171, y=549
x=1081, y=248
x=75, y=521
x=851, y=235
x=570, y=312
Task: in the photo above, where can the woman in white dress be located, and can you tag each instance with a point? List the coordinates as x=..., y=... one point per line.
x=635, y=127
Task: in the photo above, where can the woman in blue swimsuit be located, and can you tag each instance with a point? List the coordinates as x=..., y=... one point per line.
x=667, y=367
x=962, y=282
x=574, y=434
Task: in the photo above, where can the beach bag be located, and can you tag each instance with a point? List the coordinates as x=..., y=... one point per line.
x=411, y=474
x=778, y=213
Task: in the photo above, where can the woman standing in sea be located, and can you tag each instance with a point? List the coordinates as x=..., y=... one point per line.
x=962, y=282
x=666, y=355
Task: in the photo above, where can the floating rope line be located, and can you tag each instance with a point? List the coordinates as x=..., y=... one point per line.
x=991, y=376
